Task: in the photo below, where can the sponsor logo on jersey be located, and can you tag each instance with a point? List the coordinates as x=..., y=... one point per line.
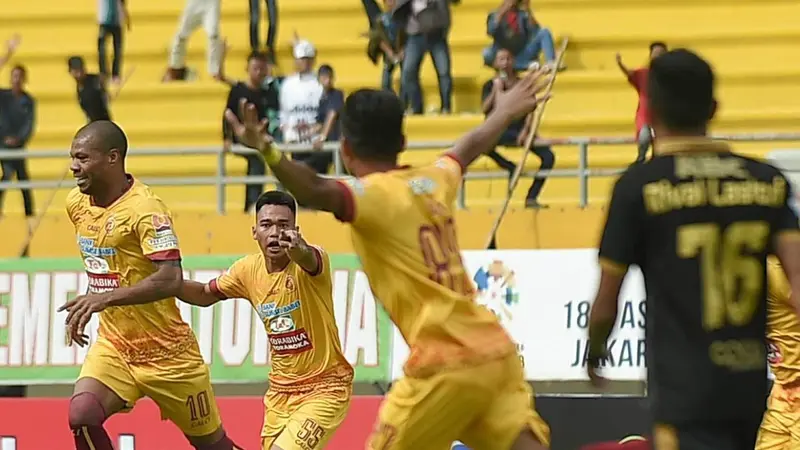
x=88, y=248
x=162, y=223
x=110, y=224
x=281, y=324
x=290, y=286
x=356, y=185
x=99, y=283
x=290, y=343
x=422, y=185
x=271, y=310
x=96, y=265
x=161, y=243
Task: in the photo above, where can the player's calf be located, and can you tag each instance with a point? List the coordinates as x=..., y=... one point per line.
x=86, y=417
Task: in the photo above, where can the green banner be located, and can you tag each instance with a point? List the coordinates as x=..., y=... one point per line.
x=231, y=336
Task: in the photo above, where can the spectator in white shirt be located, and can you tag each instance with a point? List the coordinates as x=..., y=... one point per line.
x=299, y=97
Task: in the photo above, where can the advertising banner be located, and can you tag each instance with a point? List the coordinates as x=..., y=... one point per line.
x=543, y=298
x=231, y=336
x=37, y=424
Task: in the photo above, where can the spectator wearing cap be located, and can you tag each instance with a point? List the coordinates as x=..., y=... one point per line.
x=300, y=95
x=92, y=96
x=330, y=106
x=17, y=119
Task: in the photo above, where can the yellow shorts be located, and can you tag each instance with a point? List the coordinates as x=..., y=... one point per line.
x=180, y=386
x=780, y=428
x=485, y=407
x=303, y=420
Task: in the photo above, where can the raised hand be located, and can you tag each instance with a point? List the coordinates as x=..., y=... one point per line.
x=251, y=131
x=523, y=97
x=13, y=43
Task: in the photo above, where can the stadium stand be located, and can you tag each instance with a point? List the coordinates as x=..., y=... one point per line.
x=750, y=44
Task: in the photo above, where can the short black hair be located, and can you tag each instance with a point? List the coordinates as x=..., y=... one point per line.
x=656, y=44
x=22, y=69
x=279, y=198
x=372, y=122
x=75, y=63
x=258, y=56
x=681, y=90
x=106, y=134
x=325, y=69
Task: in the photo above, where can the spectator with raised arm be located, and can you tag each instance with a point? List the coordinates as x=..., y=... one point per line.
x=17, y=120
x=427, y=24
x=512, y=26
x=252, y=91
x=516, y=133
x=11, y=47
x=111, y=15
x=638, y=79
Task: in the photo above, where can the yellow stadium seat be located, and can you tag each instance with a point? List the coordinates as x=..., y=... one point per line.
x=750, y=45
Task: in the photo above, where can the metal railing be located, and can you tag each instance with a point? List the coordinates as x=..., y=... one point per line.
x=583, y=172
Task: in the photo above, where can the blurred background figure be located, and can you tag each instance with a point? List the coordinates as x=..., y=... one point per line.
x=92, y=96
x=513, y=27
x=17, y=120
x=638, y=79
x=11, y=47
x=255, y=25
x=328, y=124
x=299, y=98
x=253, y=91
x=387, y=41
x=195, y=13
x=111, y=15
x=427, y=23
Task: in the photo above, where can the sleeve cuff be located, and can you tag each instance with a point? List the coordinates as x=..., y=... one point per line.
x=214, y=288
x=455, y=159
x=349, y=212
x=166, y=255
x=318, y=257
x=612, y=266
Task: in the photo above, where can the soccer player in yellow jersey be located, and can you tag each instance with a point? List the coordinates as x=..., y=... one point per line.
x=780, y=428
x=288, y=283
x=133, y=262
x=463, y=379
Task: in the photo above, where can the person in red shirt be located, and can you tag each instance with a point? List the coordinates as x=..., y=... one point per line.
x=638, y=79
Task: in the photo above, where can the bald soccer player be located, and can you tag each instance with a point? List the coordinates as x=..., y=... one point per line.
x=131, y=254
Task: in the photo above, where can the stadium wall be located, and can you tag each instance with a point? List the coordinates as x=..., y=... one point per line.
x=212, y=234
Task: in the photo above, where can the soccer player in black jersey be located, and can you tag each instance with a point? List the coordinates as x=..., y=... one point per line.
x=699, y=220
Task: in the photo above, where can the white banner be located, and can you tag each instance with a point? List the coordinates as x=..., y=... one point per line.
x=543, y=298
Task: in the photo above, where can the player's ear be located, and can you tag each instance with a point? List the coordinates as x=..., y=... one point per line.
x=714, y=108
x=253, y=229
x=113, y=156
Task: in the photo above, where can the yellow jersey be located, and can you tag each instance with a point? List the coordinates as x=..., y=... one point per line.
x=783, y=327
x=119, y=244
x=297, y=310
x=404, y=232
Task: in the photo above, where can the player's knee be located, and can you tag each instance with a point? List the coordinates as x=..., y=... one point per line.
x=85, y=409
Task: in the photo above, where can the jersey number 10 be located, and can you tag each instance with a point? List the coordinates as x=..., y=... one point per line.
x=439, y=246
x=724, y=265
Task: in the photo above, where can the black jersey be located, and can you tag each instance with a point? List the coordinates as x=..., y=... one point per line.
x=700, y=221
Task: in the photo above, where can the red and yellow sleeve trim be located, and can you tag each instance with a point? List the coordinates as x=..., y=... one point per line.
x=318, y=256
x=455, y=159
x=349, y=212
x=613, y=266
x=166, y=255
x=213, y=286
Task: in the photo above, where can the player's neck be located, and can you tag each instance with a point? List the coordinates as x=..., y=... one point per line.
x=376, y=166
x=112, y=192
x=276, y=264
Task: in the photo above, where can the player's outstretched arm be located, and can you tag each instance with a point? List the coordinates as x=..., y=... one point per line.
x=508, y=106
x=301, y=180
x=198, y=294
x=165, y=282
x=300, y=252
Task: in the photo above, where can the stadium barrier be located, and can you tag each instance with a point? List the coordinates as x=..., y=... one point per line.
x=220, y=180
x=573, y=422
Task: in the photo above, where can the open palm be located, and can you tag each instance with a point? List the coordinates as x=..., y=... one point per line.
x=250, y=130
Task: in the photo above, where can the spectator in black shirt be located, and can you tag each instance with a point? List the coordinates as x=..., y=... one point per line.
x=517, y=132
x=252, y=91
x=17, y=118
x=330, y=105
x=92, y=94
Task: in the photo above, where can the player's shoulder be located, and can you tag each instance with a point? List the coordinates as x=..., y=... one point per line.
x=145, y=201
x=759, y=168
x=75, y=198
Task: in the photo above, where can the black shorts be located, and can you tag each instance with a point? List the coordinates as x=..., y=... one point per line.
x=707, y=435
